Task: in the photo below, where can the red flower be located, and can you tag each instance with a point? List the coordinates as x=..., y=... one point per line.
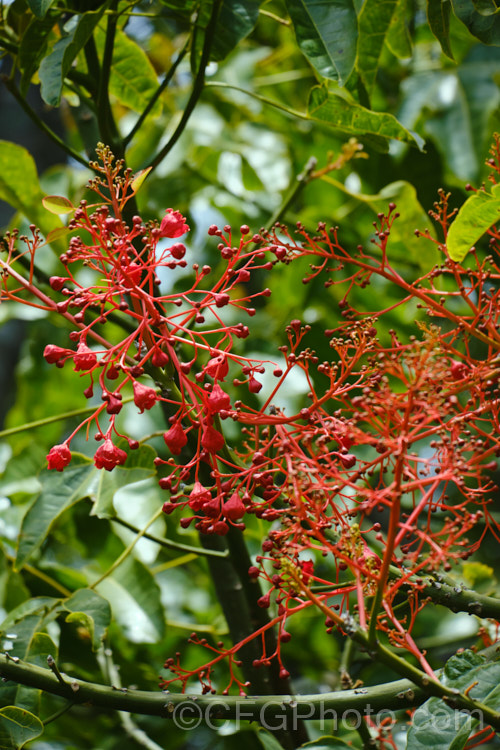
x=254, y=386
x=175, y=438
x=159, y=358
x=234, y=507
x=144, y=396
x=307, y=569
x=59, y=456
x=217, y=367
x=218, y=399
x=458, y=370
x=84, y=359
x=173, y=224
x=212, y=440
x=199, y=496
x=54, y=353
x=131, y=275
x=107, y=456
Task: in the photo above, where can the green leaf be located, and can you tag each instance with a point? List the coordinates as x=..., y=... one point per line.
x=55, y=66
x=486, y=7
x=40, y=648
x=17, y=727
x=398, y=37
x=268, y=741
x=456, y=109
x=33, y=48
x=326, y=33
x=21, y=627
x=16, y=619
x=93, y=611
x=139, y=179
x=135, y=601
x=459, y=664
x=326, y=743
x=438, y=726
x=476, y=216
x=19, y=186
x=484, y=28
x=60, y=490
x=39, y=7
x=438, y=16
x=237, y=18
x=57, y=204
x=133, y=80
x=139, y=466
x=349, y=117
x=374, y=22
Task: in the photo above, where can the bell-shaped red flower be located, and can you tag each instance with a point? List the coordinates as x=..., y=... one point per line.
x=212, y=440
x=144, y=396
x=58, y=457
x=234, y=508
x=107, y=456
x=54, y=353
x=175, y=438
x=198, y=496
x=173, y=224
x=84, y=359
x=218, y=399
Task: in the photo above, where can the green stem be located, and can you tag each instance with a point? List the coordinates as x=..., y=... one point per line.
x=11, y=86
x=169, y=544
x=126, y=552
x=163, y=85
x=197, y=89
x=55, y=418
x=104, y=111
x=395, y=696
x=260, y=98
x=294, y=191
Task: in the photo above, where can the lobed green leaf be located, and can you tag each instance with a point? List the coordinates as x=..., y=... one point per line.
x=352, y=118
x=20, y=188
x=93, y=611
x=374, y=22
x=39, y=7
x=57, y=64
x=237, y=19
x=327, y=33
x=486, y=28
x=60, y=490
x=133, y=80
x=17, y=727
x=33, y=48
x=475, y=217
x=398, y=36
x=438, y=16
x=135, y=601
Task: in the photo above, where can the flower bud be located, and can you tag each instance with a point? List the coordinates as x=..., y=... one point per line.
x=58, y=457
x=144, y=396
x=175, y=438
x=173, y=224
x=107, y=456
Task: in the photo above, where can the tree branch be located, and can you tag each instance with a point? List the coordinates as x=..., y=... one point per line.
x=397, y=695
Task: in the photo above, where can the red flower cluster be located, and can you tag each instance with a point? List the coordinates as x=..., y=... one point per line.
x=386, y=468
